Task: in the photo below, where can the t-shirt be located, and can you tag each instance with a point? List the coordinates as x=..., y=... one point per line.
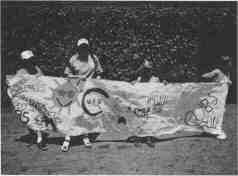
x=28, y=65
x=85, y=69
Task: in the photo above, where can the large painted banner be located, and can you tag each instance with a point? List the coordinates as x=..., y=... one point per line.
x=75, y=107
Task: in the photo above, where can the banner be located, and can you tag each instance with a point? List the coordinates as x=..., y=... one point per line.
x=75, y=107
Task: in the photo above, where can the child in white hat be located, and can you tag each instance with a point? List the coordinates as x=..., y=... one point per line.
x=83, y=64
x=27, y=64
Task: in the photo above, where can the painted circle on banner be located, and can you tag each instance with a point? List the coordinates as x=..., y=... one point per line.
x=92, y=99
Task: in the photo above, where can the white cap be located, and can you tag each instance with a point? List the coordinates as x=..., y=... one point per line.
x=147, y=64
x=82, y=41
x=27, y=54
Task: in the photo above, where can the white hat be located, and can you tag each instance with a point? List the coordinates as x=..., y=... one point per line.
x=82, y=41
x=27, y=54
x=147, y=64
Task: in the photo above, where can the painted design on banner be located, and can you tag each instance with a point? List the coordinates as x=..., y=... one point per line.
x=18, y=88
x=64, y=96
x=203, y=115
x=25, y=85
x=92, y=99
x=153, y=104
x=156, y=101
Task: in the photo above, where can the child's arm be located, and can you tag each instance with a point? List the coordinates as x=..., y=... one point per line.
x=99, y=66
x=39, y=71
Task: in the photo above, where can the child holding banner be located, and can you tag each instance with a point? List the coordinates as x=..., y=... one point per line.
x=28, y=64
x=84, y=64
x=146, y=72
x=143, y=72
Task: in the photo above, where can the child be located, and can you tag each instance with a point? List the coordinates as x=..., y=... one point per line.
x=84, y=65
x=27, y=64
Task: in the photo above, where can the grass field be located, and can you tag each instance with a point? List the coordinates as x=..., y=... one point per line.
x=182, y=155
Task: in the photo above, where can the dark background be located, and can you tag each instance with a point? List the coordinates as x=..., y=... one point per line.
x=182, y=39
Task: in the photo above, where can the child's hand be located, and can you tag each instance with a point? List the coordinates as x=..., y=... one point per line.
x=67, y=71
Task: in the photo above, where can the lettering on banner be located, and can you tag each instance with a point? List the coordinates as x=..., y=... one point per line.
x=24, y=116
x=92, y=99
x=16, y=90
x=156, y=101
x=206, y=107
x=153, y=104
x=23, y=86
x=21, y=109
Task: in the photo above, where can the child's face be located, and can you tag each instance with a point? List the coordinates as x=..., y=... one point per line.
x=83, y=52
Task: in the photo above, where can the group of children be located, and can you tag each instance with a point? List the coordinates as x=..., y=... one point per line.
x=84, y=64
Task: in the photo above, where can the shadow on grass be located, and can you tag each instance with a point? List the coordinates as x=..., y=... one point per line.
x=78, y=140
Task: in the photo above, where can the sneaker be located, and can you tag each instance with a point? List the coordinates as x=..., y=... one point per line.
x=87, y=142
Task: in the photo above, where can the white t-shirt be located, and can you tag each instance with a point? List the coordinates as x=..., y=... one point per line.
x=85, y=69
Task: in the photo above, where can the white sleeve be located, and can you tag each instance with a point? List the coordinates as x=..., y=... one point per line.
x=73, y=58
x=99, y=66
